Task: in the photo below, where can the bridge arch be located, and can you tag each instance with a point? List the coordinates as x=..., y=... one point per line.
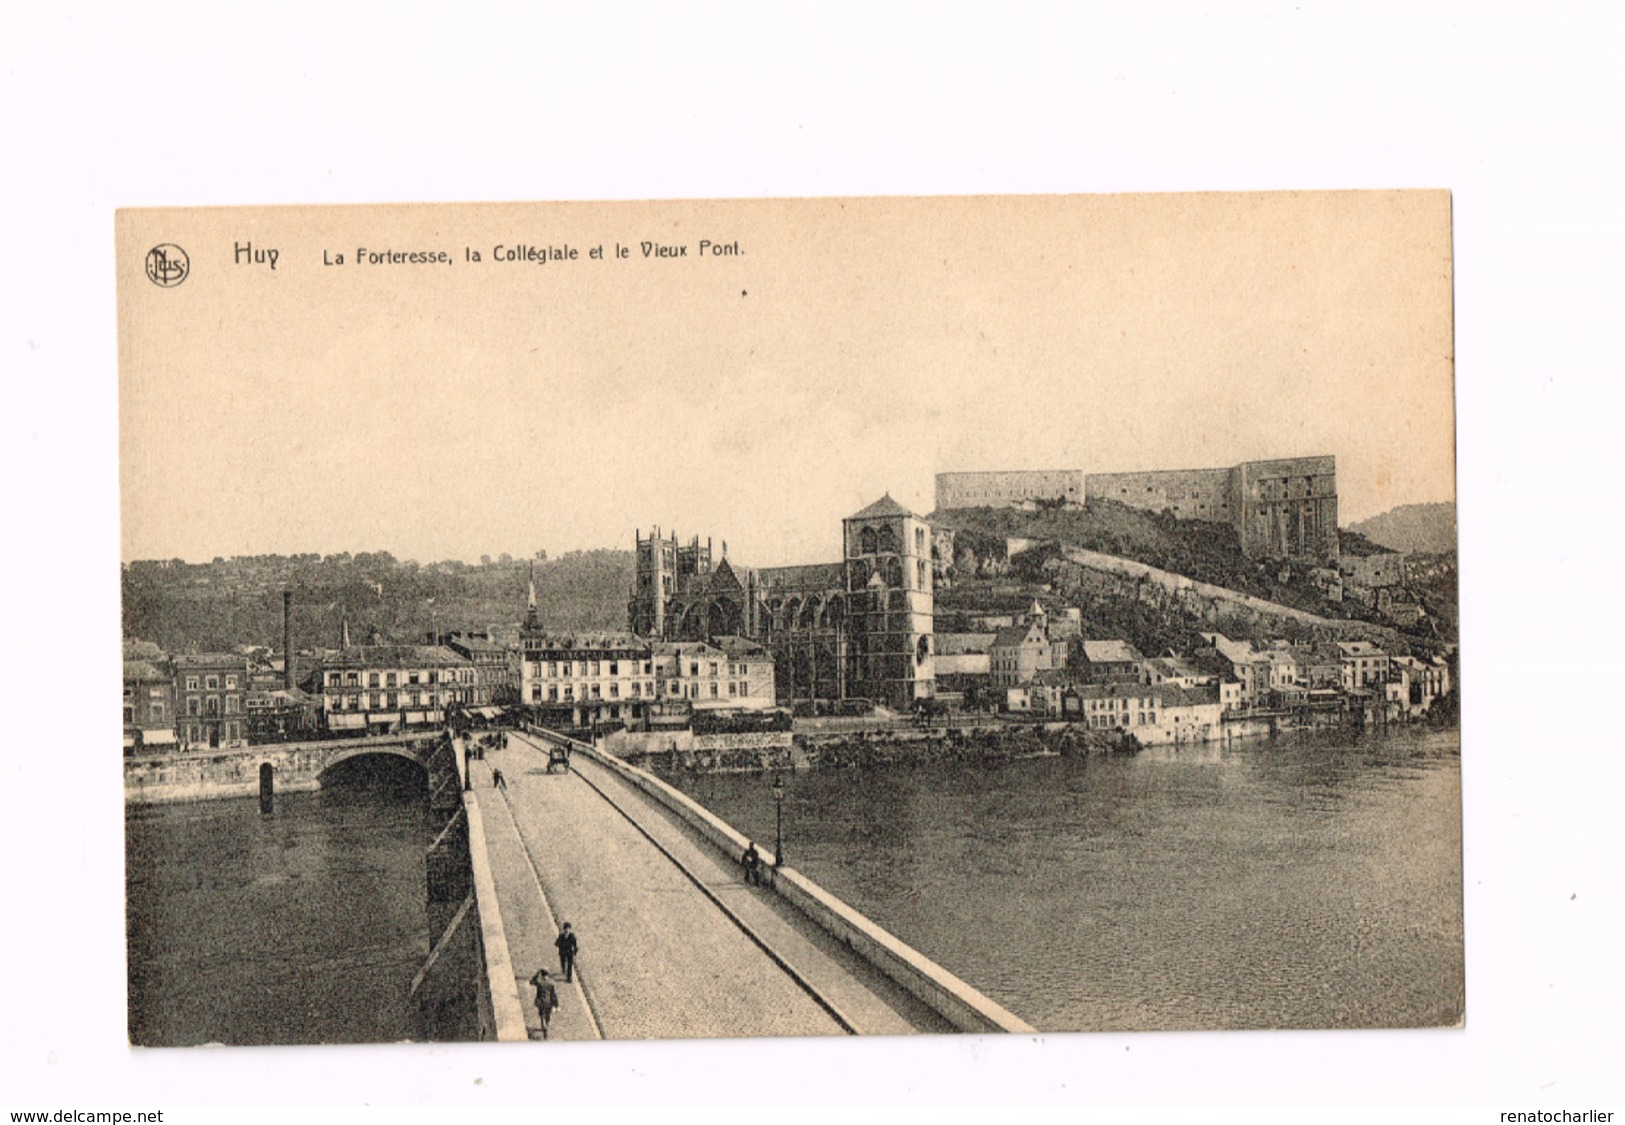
x=417, y=755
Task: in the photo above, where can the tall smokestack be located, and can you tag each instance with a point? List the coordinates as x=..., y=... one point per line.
x=287, y=639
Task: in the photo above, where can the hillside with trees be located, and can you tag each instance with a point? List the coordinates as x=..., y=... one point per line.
x=983, y=580
x=1427, y=529
x=230, y=602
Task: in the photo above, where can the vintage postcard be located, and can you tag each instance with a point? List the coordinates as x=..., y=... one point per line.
x=796, y=617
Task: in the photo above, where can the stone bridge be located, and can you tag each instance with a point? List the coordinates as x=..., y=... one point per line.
x=285, y=767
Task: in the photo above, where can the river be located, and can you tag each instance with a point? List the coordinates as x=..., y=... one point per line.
x=1289, y=883
x=1298, y=882
x=302, y=926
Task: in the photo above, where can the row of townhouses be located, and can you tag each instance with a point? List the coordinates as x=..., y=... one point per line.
x=228, y=699
x=1040, y=664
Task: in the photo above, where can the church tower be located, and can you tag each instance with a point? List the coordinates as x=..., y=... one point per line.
x=890, y=583
x=652, y=585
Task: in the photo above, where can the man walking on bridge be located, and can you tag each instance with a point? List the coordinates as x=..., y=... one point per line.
x=567, y=945
x=547, y=998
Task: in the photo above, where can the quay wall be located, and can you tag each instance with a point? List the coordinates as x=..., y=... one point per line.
x=754, y=750
x=956, y=1001
x=211, y=774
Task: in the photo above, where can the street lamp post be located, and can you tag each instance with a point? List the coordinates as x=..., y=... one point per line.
x=778, y=831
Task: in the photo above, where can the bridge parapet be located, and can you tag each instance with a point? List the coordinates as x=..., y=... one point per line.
x=465, y=990
x=295, y=766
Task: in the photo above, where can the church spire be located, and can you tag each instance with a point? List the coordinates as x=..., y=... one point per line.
x=533, y=617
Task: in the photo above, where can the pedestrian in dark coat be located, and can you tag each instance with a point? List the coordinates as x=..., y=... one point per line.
x=497, y=780
x=567, y=945
x=547, y=998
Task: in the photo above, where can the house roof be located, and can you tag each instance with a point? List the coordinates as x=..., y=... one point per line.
x=1237, y=652
x=1171, y=695
x=476, y=644
x=680, y=648
x=958, y=644
x=1117, y=689
x=587, y=641
x=739, y=646
x=1014, y=636
x=211, y=660
x=1359, y=648
x=395, y=656
x=1110, y=652
x=885, y=506
x=142, y=671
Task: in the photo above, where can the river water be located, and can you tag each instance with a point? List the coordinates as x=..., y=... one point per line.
x=302, y=926
x=1289, y=883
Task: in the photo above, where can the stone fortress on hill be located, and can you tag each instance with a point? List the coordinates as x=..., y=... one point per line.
x=1283, y=508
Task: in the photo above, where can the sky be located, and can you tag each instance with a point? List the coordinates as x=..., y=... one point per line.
x=835, y=351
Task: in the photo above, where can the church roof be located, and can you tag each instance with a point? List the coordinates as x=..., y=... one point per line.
x=816, y=576
x=885, y=506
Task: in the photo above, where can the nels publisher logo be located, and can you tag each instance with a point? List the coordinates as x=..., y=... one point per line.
x=167, y=265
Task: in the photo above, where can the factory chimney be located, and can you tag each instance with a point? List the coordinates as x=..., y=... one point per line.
x=287, y=639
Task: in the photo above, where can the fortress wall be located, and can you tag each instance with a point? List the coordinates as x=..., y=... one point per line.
x=1288, y=508
x=1002, y=488
x=1191, y=494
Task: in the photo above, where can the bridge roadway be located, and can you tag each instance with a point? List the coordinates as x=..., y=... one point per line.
x=659, y=958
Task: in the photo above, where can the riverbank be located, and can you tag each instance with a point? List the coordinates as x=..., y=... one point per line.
x=995, y=744
x=863, y=749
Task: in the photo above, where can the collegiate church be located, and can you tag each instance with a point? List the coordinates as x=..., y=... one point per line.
x=860, y=628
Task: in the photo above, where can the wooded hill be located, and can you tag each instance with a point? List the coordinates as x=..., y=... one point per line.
x=1413, y=528
x=230, y=602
